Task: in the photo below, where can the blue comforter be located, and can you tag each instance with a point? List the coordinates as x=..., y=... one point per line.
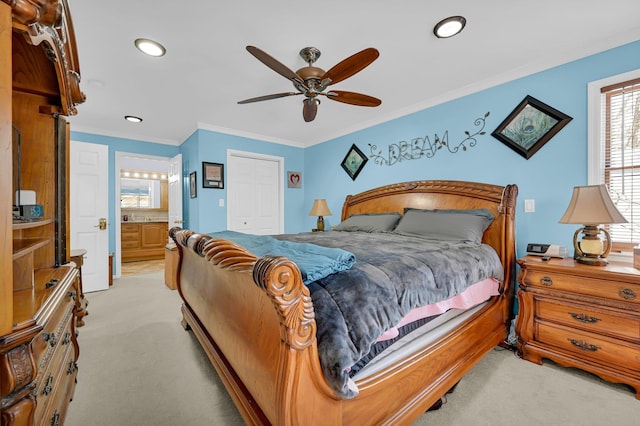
x=315, y=262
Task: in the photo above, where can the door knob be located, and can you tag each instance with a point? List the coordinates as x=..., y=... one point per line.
x=102, y=224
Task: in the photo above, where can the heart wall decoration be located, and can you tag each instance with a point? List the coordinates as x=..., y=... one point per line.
x=294, y=179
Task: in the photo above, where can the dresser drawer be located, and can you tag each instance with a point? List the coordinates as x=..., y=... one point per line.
x=590, y=346
x=611, y=290
x=53, y=409
x=53, y=380
x=57, y=331
x=589, y=318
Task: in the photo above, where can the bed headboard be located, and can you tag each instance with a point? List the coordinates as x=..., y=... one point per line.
x=445, y=194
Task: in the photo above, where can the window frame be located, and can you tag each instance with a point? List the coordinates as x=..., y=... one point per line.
x=595, y=132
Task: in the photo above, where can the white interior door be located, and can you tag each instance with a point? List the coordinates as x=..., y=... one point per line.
x=175, y=192
x=254, y=193
x=88, y=199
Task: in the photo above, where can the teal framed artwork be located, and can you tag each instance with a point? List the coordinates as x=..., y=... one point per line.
x=529, y=126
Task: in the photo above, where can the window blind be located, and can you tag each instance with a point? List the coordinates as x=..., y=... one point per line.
x=621, y=154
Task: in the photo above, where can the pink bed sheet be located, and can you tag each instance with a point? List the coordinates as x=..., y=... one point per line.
x=473, y=295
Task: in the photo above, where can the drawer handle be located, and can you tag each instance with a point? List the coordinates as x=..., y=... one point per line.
x=581, y=344
x=67, y=338
x=48, y=385
x=51, y=338
x=627, y=294
x=72, y=367
x=71, y=294
x=584, y=318
x=546, y=281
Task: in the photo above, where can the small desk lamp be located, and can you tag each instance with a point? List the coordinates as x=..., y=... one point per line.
x=320, y=209
x=592, y=206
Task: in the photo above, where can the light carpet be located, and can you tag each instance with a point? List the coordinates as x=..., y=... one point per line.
x=138, y=367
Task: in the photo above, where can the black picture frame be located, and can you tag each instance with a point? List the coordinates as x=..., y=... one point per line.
x=193, y=185
x=354, y=162
x=529, y=126
x=212, y=175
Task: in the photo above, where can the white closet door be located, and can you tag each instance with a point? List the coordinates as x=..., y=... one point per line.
x=254, y=193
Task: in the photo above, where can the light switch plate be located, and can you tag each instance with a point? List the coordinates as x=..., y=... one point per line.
x=529, y=206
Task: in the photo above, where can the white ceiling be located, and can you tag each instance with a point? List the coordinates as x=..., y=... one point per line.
x=207, y=70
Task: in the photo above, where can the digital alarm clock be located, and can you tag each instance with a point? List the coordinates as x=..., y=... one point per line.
x=551, y=250
x=32, y=211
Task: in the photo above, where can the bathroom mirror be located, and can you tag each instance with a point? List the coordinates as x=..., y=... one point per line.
x=139, y=193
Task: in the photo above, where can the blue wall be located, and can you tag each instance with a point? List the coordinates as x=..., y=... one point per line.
x=204, y=212
x=548, y=177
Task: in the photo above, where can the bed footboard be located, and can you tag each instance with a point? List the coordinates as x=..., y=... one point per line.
x=254, y=317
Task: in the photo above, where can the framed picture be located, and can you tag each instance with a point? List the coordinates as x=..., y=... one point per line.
x=193, y=185
x=354, y=162
x=294, y=180
x=212, y=175
x=529, y=126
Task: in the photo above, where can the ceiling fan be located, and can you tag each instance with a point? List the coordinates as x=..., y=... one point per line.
x=312, y=81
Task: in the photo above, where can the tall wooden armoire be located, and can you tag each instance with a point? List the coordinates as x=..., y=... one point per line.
x=39, y=87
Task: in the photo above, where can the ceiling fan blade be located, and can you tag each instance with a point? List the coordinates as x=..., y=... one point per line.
x=268, y=97
x=352, y=65
x=353, y=98
x=274, y=64
x=310, y=109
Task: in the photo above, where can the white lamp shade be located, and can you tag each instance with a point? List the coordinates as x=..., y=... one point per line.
x=592, y=205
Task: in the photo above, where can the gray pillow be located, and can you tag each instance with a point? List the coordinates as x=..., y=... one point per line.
x=374, y=222
x=450, y=225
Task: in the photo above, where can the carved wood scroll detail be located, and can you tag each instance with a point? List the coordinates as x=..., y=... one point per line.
x=22, y=368
x=48, y=22
x=279, y=277
x=282, y=281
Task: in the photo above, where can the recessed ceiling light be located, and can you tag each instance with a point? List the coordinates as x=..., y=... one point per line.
x=449, y=27
x=150, y=47
x=133, y=118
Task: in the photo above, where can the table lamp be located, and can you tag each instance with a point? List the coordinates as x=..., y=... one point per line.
x=592, y=206
x=320, y=209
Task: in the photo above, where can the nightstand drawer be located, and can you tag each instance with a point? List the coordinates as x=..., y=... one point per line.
x=591, y=346
x=611, y=290
x=589, y=318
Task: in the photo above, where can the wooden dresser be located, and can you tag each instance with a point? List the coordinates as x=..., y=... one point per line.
x=581, y=316
x=39, y=87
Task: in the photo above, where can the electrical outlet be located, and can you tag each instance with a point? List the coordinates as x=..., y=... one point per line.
x=221, y=202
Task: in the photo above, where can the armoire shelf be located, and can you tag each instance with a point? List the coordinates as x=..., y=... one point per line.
x=25, y=246
x=28, y=224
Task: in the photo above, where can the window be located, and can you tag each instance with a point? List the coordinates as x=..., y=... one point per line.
x=617, y=150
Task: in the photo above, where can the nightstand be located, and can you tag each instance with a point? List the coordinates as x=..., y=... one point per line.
x=581, y=316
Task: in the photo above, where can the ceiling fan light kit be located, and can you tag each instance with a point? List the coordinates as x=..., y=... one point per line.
x=450, y=26
x=312, y=81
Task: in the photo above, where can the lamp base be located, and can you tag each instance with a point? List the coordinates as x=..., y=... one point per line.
x=593, y=261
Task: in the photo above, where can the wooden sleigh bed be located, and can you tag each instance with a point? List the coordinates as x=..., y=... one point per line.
x=255, y=319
